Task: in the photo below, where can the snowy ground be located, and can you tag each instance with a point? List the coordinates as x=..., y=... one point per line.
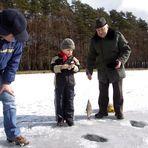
x=35, y=110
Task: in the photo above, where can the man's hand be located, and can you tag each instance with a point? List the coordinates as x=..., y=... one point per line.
x=89, y=76
x=7, y=88
x=118, y=65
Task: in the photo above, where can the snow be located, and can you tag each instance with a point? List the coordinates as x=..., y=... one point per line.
x=36, y=114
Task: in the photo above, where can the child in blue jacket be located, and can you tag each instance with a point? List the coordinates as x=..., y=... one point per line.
x=64, y=65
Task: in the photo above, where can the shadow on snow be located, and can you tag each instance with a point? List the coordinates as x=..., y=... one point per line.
x=29, y=121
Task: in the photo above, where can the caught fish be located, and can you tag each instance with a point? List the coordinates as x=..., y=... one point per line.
x=88, y=109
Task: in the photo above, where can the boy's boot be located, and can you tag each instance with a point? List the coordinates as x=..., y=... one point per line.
x=70, y=121
x=60, y=121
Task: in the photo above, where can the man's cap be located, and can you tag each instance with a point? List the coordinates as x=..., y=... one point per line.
x=67, y=44
x=12, y=21
x=100, y=22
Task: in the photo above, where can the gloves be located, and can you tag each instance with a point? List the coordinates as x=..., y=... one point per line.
x=67, y=66
x=71, y=66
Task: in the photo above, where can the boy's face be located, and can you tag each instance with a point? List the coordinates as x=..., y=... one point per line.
x=68, y=52
x=8, y=37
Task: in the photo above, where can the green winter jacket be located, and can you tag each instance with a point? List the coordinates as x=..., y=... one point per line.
x=104, y=51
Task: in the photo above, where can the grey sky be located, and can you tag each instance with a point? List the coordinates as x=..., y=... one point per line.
x=137, y=7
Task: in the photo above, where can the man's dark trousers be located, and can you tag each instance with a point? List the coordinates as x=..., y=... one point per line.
x=104, y=96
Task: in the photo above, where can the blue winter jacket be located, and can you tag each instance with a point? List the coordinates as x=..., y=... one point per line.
x=10, y=54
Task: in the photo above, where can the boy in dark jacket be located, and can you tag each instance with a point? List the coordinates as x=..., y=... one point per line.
x=64, y=65
x=13, y=34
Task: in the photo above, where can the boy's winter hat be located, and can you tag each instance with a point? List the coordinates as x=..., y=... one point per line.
x=100, y=22
x=12, y=21
x=67, y=44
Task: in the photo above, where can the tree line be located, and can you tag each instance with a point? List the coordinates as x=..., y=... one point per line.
x=50, y=21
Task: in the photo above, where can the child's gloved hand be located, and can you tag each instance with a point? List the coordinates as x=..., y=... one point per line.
x=65, y=66
x=71, y=66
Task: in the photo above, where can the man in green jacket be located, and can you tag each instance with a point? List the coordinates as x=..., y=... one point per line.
x=109, y=51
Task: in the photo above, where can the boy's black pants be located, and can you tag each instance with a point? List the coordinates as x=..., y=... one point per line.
x=64, y=97
x=117, y=97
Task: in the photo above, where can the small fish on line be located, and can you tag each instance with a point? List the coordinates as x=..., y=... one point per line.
x=88, y=109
